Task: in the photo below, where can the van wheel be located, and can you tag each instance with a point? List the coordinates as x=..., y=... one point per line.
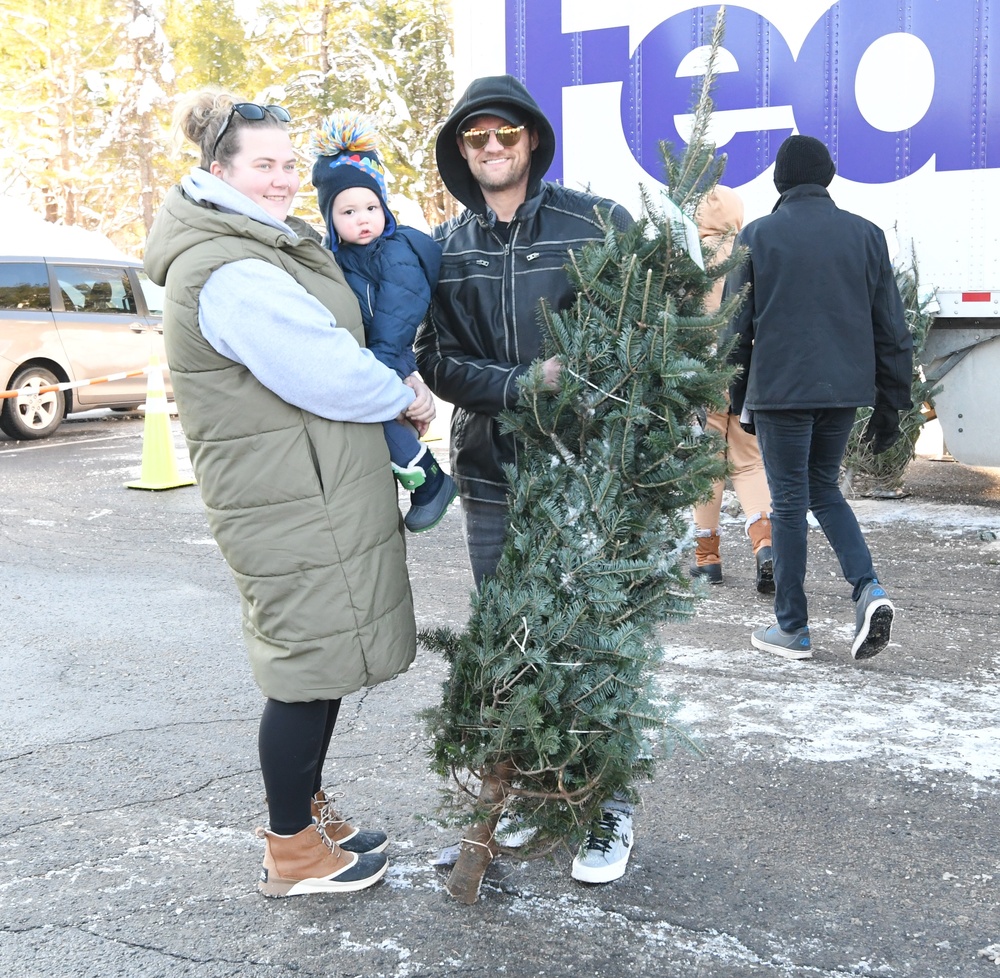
x=32, y=416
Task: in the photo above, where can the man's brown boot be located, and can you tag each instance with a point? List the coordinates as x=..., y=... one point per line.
x=707, y=562
x=307, y=863
x=760, y=538
x=343, y=833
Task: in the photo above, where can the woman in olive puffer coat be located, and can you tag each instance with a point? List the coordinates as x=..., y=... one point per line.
x=281, y=407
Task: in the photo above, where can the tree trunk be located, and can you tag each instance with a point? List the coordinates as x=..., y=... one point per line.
x=479, y=845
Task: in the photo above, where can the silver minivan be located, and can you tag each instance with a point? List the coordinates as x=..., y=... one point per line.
x=65, y=320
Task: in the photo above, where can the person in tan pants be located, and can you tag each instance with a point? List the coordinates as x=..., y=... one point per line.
x=719, y=217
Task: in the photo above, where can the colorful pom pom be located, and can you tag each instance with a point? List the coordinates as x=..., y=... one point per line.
x=351, y=132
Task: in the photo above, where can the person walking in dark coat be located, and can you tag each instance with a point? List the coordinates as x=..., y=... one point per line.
x=821, y=333
x=393, y=270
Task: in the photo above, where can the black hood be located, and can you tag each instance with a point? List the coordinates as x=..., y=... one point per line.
x=481, y=94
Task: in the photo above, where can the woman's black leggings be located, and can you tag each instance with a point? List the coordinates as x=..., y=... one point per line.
x=292, y=741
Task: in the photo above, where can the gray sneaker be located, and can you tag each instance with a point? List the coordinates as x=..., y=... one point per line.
x=789, y=645
x=604, y=855
x=873, y=615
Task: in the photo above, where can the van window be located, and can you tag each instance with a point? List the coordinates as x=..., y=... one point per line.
x=24, y=286
x=95, y=288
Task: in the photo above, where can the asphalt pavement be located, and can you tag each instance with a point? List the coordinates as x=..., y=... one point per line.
x=833, y=818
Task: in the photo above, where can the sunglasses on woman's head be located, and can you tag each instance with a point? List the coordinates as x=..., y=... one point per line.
x=252, y=112
x=506, y=136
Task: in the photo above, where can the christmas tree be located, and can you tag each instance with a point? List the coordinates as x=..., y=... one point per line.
x=551, y=706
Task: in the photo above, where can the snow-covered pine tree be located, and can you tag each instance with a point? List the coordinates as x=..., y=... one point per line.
x=552, y=706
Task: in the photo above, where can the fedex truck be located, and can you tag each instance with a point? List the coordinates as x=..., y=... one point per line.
x=906, y=94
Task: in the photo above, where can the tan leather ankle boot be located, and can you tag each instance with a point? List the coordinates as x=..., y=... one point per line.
x=707, y=562
x=342, y=832
x=759, y=532
x=307, y=863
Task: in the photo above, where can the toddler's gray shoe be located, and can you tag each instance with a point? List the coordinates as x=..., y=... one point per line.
x=427, y=515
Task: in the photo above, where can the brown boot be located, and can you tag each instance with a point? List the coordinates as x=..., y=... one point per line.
x=307, y=863
x=707, y=562
x=343, y=833
x=760, y=538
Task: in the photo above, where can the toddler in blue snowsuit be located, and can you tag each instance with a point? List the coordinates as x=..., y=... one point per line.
x=393, y=271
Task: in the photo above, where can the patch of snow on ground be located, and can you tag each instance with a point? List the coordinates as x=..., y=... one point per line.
x=933, y=516
x=908, y=723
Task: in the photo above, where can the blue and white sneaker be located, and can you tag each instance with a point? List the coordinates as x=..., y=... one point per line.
x=873, y=613
x=603, y=857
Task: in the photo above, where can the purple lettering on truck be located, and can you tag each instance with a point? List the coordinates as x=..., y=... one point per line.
x=819, y=84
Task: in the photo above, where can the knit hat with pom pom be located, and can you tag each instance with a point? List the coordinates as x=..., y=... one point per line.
x=344, y=148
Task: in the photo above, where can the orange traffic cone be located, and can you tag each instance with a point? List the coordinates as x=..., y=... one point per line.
x=159, y=464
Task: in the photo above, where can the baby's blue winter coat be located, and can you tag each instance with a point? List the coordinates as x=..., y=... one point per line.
x=393, y=278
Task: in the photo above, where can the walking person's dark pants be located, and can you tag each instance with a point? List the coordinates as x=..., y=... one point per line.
x=802, y=452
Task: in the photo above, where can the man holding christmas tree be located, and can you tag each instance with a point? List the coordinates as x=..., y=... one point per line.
x=502, y=257
x=821, y=333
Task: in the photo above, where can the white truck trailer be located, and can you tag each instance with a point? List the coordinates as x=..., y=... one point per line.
x=906, y=94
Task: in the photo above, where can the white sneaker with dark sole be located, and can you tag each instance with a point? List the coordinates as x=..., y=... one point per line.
x=603, y=857
x=511, y=832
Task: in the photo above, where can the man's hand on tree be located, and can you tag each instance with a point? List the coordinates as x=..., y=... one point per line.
x=551, y=369
x=882, y=430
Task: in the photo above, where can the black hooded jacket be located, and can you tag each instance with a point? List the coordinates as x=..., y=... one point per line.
x=483, y=329
x=823, y=324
